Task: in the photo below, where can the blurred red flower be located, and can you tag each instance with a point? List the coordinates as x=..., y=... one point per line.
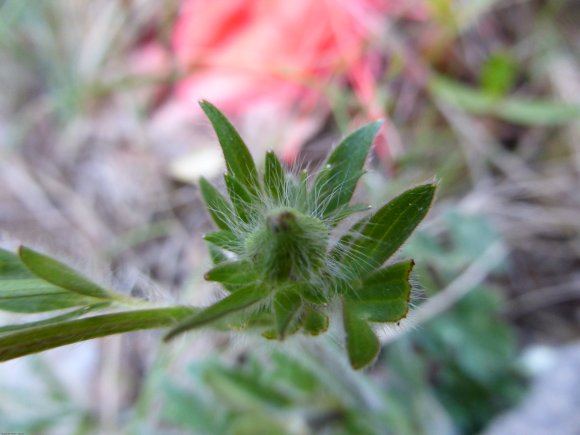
x=280, y=53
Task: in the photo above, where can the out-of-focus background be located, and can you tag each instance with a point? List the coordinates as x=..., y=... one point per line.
x=102, y=141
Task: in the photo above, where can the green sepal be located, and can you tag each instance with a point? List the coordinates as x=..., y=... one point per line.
x=287, y=307
x=241, y=198
x=224, y=239
x=218, y=207
x=274, y=178
x=243, y=298
x=387, y=230
x=314, y=322
x=217, y=255
x=301, y=192
x=238, y=159
x=384, y=295
x=237, y=273
x=311, y=294
x=362, y=343
x=61, y=275
x=336, y=182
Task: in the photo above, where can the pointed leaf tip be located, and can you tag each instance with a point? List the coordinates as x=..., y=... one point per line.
x=337, y=180
x=387, y=229
x=274, y=177
x=61, y=275
x=238, y=159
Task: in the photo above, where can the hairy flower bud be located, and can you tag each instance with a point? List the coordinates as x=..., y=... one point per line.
x=288, y=246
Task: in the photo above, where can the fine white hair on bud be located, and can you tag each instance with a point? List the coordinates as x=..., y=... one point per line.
x=278, y=253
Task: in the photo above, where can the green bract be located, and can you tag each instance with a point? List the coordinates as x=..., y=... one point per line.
x=275, y=255
x=275, y=252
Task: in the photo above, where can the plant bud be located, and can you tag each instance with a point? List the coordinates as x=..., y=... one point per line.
x=288, y=245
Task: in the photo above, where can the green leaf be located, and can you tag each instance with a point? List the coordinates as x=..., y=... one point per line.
x=287, y=306
x=217, y=255
x=11, y=267
x=300, y=200
x=35, y=296
x=314, y=322
x=345, y=212
x=243, y=390
x=233, y=273
x=190, y=410
x=238, y=159
x=60, y=274
x=512, y=109
x=224, y=239
x=292, y=372
x=236, y=301
x=388, y=229
x=218, y=207
x=22, y=292
x=311, y=293
x=274, y=178
x=38, y=339
x=383, y=296
x=335, y=183
x=362, y=344
x=242, y=199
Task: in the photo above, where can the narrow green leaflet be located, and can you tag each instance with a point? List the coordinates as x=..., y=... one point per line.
x=37, y=339
x=314, y=322
x=337, y=180
x=301, y=192
x=388, y=229
x=60, y=274
x=244, y=390
x=274, y=178
x=237, y=156
x=224, y=239
x=241, y=198
x=218, y=207
x=292, y=371
x=383, y=296
x=217, y=254
x=23, y=292
x=362, y=344
x=11, y=267
x=311, y=293
x=35, y=296
x=287, y=306
x=236, y=301
x=233, y=273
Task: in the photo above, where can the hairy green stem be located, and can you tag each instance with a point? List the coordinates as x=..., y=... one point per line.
x=38, y=339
